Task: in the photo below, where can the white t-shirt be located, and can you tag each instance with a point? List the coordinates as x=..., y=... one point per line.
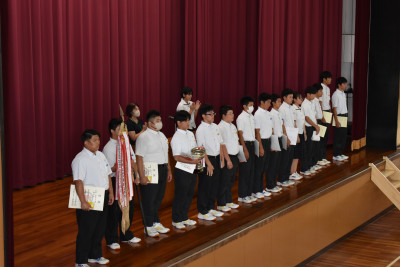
x=152, y=146
x=318, y=110
x=326, y=97
x=245, y=123
x=182, y=143
x=110, y=152
x=209, y=136
x=186, y=106
x=309, y=111
x=263, y=121
x=299, y=118
x=287, y=115
x=339, y=102
x=230, y=137
x=277, y=122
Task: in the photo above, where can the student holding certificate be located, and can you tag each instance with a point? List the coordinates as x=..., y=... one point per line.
x=339, y=110
x=326, y=80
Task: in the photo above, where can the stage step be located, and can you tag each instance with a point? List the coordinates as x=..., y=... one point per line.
x=387, y=180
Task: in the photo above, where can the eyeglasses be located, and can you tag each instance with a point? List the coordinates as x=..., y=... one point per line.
x=212, y=114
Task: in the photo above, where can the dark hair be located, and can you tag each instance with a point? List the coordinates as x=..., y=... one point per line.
x=274, y=98
x=317, y=86
x=152, y=114
x=223, y=110
x=205, y=108
x=340, y=81
x=246, y=100
x=186, y=91
x=113, y=124
x=325, y=75
x=181, y=115
x=129, y=108
x=287, y=92
x=311, y=90
x=88, y=134
x=297, y=95
x=264, y=97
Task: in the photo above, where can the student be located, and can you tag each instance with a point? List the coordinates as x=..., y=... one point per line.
x=209, y=136
x=288, y=153
x=152, y=146
x=134, y=124
x=308, y=109
x=326, y=80
x=230, y=139
x=339, y=106
x=189, y=106
x=263, y=131
x=246, y=132
x=300, y=149
x=114, y=213
x=320, y=117
x=182, y=143
x=90, y=168
x=275, y=158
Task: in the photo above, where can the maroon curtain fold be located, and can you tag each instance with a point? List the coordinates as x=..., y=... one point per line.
x=361, y=54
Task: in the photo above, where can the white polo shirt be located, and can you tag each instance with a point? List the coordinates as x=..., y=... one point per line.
x=245, y=123
x=287, y=115
x=263, y=121
x=152, y=146
x=309, y=111
x=110, y=152
x=209, y=136
x=186, y=106
x=318, y=110
x=277, y=121
x=299, y=118
x=91, y=168
x=182, y=143
x=326, y=97
x=339, y=102
x=230, y=137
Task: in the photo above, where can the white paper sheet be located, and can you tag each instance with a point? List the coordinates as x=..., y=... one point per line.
x=342, y=121
x=322, y=130
x=315, y=136
x=275, y=143
x=187, y=167
x=257, y=148
x=328, y=116
x=93, y=195
x=292, y=134
x=241, y=155
x=151, y=172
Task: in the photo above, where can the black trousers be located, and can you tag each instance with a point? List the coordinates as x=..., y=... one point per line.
x=152, y=196
x=311, y=147
x=286, y=163
x=228, y=177
x=261, y=166
x=114, y=221
x=320, y=145
x=185, y=184
x=339, y=139
x=91, y=228
x=246, y=172
x=208, y=186
x=273, y=166
x=324, y=141
x=303, y=154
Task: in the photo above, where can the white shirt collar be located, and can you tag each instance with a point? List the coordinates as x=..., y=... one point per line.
x=152, y=131
x=182, y=131
x=183, y=102
x=113, y=141
x=206, y=124
x=286, y=105
x=90, y=153
x=274, y=111
x=226, y=123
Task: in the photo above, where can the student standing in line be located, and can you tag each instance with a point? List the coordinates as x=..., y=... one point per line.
x=320, y=117
x=326, y=80
x=339, y=106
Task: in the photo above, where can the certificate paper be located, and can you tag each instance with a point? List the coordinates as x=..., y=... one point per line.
x=257, y=148
x=151, y=172
x=342, y=121
x=187, y=167
x=93, y=195
x=292, y=134
x=328, y=116
x=322, y=130
x=241, y=155
x=275, y=143
x=315, y=136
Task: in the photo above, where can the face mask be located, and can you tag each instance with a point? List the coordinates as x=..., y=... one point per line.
x=251, y=109
x=136, y=113
x=158, y=125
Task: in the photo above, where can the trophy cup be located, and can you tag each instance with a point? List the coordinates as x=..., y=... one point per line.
x=199, y=153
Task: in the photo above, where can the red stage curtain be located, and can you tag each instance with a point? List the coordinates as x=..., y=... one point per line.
x=361, y=51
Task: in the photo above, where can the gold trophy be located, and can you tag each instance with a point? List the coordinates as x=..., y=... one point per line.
x=199, y=153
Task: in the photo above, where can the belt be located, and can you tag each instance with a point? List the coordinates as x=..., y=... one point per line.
x=343, y=115
x=249, y=142
x=230, y=155
x=213, y=157
x=163, y=165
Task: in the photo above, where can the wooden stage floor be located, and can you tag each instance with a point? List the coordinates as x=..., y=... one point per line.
x=45, y=229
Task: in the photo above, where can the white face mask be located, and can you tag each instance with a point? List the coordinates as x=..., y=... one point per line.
x=251, y=109
x=136, y=113
x=158, y=125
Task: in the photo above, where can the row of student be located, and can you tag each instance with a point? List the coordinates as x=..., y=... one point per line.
x=215, y=184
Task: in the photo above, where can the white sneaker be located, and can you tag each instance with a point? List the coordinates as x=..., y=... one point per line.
x=321, y=163
x=223, y=208
x=306, y=173
x=258, y=195
x=216, y=213
x=326, y=161
x=244, y=200
x=312, y=171
x=266, y=193
x=189, y=222
x=100, y=260
x=344, y=156
x=290, y=182
x=151, y=232
x=317, y=167
x=253, y=199
x=284, y=184
x=295, y=176
x=133, y=240
x=207, y=217
x=114, y=246
x=81, y=265
x=160, y=228
x=276, y=189
x=232, y=205
x=178, y=225
x=338, y=158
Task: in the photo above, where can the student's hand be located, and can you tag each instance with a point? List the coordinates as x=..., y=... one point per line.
x=144, y=181
x=323, y=120
x=210, y=169
x=195, y=161
x=110, y=199
x=317, y=130
x=338, y=125
x=298, y=139
x=305, y=137
x=144, y=128
x=261, y=152
x=222, y=164
x=246, y=154
x=229, y=165
x=193, y=106
x=198, y=104
x=86, y=206
x=137, y=180
x=169, y=177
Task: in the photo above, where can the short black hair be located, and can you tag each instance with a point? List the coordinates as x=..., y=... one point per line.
x=152, y=114
x=287, y=92
x=181, y=115
x=205, y=108
x=223, y=110
x=297, y=95
x=88, y=134
x=325, y=75
x=246, y=100
x=263, y=97
x=274, y=98
x=114, y=123
x=340, y=81
x=129, y=108
x=317, y=86
x=311, y=90
x=186, y=91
